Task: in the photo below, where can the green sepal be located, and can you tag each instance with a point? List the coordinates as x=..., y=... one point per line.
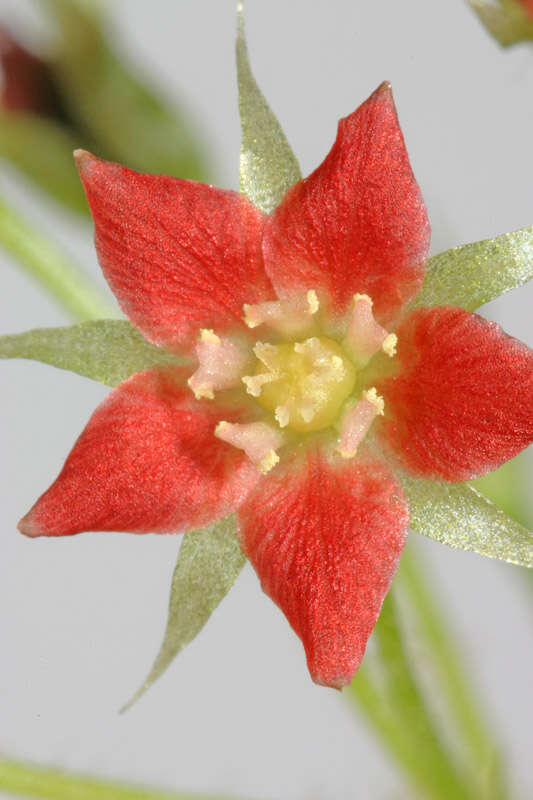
x=458, y=515
x=42, y=150
x=209, y=562
x=108, y=351
x=508, y=488
x=508, y=22
x=268, y=167
x=473, y=274
x=130, y=123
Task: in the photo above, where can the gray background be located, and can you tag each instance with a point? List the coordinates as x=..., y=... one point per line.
x=81, y=618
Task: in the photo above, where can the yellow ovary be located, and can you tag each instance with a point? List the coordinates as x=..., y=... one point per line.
x=303, y=383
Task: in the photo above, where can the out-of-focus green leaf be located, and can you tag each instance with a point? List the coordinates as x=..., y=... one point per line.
x=28, y=780
x=268, y=166
x=209, y=561
x=42, y=150
x=471, y=275
x=108, y=351
x=456, y=514
x=478, y=753
x=443, y=778
x=54, y=270
x=130, y=122
x=506, y=20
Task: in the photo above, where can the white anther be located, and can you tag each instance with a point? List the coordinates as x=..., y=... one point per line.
x=269, y=461
x=364, y=297
x=258, y=440
x=254, y=383
x=312, y=301
x=377, y=401
x=266, y=353
x=365, y=336
x=282, y=415
x=357, y=421
x=221, y=362
x=201, y=391
x=289, y=316
x=389, y=344
x=307, y=412
x=207, y=335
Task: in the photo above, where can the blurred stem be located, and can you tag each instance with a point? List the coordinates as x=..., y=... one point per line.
x=30, y=781
x=445, y=662
x=394, y=734
x=44, y=260
x=394, y=703
x=403, y=692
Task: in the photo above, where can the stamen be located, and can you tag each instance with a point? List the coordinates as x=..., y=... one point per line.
x=221, y=363
x=258, y=440
x=357, y=422
x=307, y=411
x=282, y=415
x=389, y=345
x=267, y=354
x=312, y=301
x=365, y=336
x=254, y=383
x=287, y=316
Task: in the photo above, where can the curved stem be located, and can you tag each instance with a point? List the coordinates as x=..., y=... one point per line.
x=27, y=780
x=477, y=744
x=394, y=702
x=43, y=259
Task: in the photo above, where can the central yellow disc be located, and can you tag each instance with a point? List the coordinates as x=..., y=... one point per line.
x=303, y=383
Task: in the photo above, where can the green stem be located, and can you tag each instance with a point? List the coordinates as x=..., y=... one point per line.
x=30, y=781
x=398, y=714
x=477, y=745
x=394, y=735
x=404, y=694
x=394, y=703
x=53, y=269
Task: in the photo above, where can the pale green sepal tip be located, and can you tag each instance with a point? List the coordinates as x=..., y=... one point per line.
x=209, y=562
x=268, y=167
x=108, y=351
x=473, y=274
x=458, y=515
x=507, y=21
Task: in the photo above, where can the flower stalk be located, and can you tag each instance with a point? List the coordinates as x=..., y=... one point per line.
x=52, y=268
x=26, y=780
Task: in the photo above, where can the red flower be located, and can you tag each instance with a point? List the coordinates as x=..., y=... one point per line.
x=27, y=82
x=311, y=385
x=527, y=5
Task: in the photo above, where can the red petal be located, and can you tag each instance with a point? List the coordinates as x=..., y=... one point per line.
x=179, y=255
x=461, y=404
x=358, y=223
x=325, y=541
x=147, y=461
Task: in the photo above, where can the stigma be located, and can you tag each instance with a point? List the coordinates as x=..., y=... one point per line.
x=303, y=383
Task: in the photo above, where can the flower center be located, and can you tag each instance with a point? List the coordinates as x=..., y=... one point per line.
x=308, y=384
x=303, y=383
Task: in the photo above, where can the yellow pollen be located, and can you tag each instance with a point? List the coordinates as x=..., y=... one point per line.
x=201, y=392
x=312, y=301
x=389, y=344
x=269, y=461
x=366, y=297
x=373, y=397
x=307, y=384
x=207, y=335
